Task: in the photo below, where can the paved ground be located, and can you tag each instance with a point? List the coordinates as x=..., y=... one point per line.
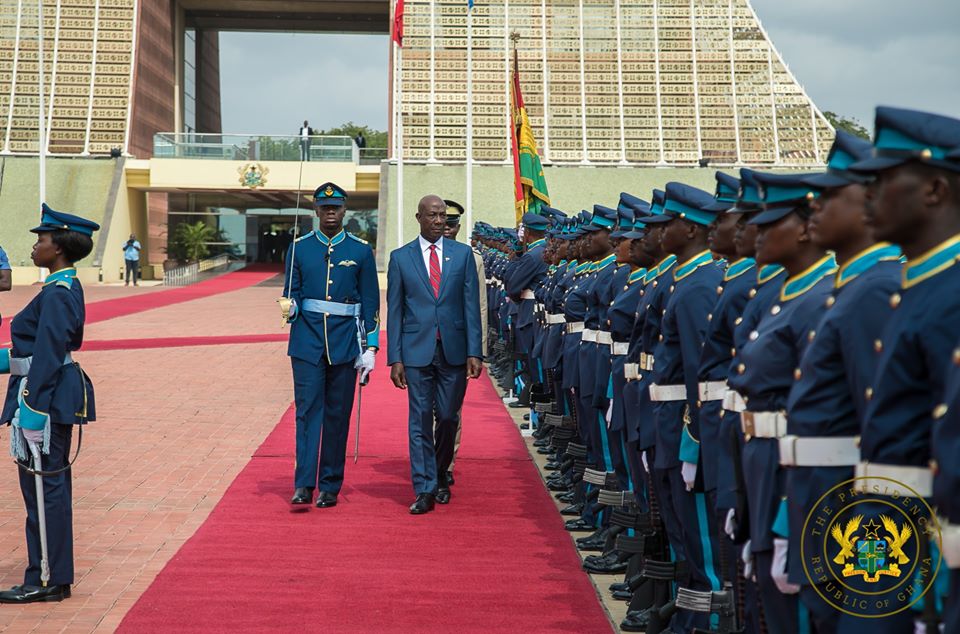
x=175, y=427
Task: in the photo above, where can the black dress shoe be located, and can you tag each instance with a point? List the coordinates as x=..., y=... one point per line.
x=423, y=504
x=326, y=499
x=578, y=525
x=443, y=495
x=302, y=495
x=636, y=621
x=450, y=478
x=576, y=510
x=33, y=594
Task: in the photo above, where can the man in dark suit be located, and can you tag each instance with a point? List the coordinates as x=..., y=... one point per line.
x=433, y=344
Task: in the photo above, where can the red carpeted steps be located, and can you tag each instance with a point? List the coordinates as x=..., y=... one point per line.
x=495, y=560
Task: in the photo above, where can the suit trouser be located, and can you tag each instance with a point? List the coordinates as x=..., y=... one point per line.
x=324, y=397
x=58, y=504
x=435, y=390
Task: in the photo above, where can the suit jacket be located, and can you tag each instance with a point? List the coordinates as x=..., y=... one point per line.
x=415, y=315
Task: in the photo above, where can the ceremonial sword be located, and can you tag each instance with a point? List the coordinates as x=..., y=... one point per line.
x=41, y=516
x=356, y=440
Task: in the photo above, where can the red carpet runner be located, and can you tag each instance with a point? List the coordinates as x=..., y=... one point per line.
x=495, y=560
x=122, y=306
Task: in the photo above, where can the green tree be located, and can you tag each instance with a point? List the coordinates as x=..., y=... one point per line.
x=847, y=124
x=375, y=138
x=191, y=240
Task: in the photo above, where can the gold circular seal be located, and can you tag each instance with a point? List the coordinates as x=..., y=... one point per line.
x=866, y=547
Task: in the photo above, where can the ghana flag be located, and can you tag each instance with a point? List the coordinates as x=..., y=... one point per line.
x=530, y=187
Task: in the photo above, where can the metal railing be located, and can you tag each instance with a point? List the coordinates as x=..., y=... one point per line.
x=248, y=147
x=187, y=274
x=372, y=155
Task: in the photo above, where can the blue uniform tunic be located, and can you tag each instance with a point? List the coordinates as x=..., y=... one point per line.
x=621, y=317
x=47, y=329
x=716, y=425
x=828, y=397
x=324, y=347
x=764, y=374
x=527, y=274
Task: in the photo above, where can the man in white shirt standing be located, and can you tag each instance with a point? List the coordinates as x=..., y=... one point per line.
x=131, y=257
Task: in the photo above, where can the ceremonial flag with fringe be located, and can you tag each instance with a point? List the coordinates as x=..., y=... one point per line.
x=530, y=187
x=397, y=30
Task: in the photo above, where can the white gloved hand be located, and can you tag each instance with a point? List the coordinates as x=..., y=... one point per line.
x=366, y=364
x=747, y=556
x=689, y=472
x=609, y=414
x=778, y=569
x=730, y=525
x=643, y=459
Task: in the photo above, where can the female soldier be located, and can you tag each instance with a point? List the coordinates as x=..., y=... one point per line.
x=47, y=394
x=764, y=372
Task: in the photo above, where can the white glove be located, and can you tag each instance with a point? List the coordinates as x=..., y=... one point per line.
x=689, y=472
x=778, y=569
x=643, y=459
x=366, y=364
x=747, y=556
x=730, y=525
x=609, y=414
x=33, y=436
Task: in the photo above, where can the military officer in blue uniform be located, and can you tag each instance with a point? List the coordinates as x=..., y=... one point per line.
x=913, y=202
x=47, y=395
x=334, y=309
x=683, y=328
x=717, y=426
x=827, y=400
x=765, y=371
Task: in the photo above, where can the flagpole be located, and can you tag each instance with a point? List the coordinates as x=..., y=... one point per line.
x=469, y=196
x=41, y=124
x=399, y=139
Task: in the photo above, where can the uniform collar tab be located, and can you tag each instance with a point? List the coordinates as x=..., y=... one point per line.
x=691, y=265
x=768, y=272
x=863, y=261
x=933, y=262
x=738, y=268
x=335, y=240
x=68, y=273
x=803, y=282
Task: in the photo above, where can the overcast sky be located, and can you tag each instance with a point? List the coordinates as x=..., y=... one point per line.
x=850, y=55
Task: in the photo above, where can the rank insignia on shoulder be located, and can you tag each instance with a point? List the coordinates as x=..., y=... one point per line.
x=346, y=263
x=65, y=283
x=358, y=238
x=304, y=236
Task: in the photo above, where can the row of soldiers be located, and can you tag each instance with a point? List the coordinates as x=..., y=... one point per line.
x=705, y=369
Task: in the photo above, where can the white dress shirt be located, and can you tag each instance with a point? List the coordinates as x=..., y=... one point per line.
x=425, y=250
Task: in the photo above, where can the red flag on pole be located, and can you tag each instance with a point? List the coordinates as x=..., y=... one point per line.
x=397, y=31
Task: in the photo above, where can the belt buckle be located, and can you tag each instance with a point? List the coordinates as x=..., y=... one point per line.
x=788, y=451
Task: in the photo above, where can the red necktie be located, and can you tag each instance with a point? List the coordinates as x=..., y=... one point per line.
x=434, y=270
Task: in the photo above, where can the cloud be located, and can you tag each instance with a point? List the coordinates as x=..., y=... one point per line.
x=850, y=56
x=271, y=82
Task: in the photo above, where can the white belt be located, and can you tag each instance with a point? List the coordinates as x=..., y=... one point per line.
x=574, y=326
x=589, y=335
x=555, y=318
x=819, y=451
x=712, y=390
x=920, y=479
x=950, y=543
x=604, y=337
x=733, y=401
x=646, y=362
x=763, y=424
x=20, y=366
x=526, y=294
x=631, y=371
x=662, y=393
x=620, y=347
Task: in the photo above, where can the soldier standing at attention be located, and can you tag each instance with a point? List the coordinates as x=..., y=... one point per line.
x=334, y=306
x=46, y=396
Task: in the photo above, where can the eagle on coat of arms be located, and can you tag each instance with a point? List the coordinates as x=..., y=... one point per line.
x=253, y=175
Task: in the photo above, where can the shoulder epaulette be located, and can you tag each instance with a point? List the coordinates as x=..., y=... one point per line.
x=67, y=283
x=305, y=236
x=357, y=238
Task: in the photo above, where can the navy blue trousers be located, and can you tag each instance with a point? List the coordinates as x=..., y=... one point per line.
x=58, y=503
x=434, y=393
x=323, y=395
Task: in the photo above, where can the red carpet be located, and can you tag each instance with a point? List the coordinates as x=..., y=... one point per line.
x=496, y=559
x=180, y=342
x=121, y=306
